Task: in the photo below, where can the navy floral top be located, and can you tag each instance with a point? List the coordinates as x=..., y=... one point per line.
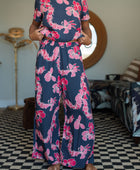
x=61, y=19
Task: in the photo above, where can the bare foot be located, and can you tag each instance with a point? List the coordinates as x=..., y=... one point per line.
x=90, y=167
x=54, y=167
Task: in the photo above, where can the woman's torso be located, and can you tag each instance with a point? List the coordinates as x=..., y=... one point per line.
x=61, y=19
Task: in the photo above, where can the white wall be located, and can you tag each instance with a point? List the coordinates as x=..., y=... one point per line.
x=16, y=13
x=122, y=22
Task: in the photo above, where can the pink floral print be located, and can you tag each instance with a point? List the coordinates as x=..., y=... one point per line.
x=78, y=124
x=59, y=72
x=75, y=9
x=63, y=1
x=39, y=116
x=69, y=162
x=48, y=76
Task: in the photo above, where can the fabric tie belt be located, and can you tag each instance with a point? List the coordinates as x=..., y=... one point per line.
x=60, y=41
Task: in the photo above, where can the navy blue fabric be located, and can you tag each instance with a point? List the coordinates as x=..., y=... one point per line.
x=61, y=20
x=60, y=72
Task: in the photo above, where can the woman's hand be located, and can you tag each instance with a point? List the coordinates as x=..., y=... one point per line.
x=85, y=40
x=36, y=35
x=35, y=32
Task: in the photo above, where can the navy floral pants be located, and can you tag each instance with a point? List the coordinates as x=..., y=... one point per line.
x=60, y=72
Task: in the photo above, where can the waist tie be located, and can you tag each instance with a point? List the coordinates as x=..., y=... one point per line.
x=60, y=41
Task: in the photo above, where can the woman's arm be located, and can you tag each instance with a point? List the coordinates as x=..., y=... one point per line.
x=86, y=39
x=34, y=31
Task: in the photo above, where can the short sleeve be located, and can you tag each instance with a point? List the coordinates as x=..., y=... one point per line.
x=37, y=11
x=84, y=13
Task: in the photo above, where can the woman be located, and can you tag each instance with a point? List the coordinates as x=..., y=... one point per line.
x=62, y=26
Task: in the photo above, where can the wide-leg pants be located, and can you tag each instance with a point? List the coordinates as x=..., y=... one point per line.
x=60, y=72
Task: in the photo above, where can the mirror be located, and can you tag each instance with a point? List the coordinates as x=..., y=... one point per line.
x=88, y=50
x=93, y=53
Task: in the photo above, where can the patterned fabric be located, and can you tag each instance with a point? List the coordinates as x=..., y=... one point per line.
x=61, y=19
x=135, y=92
x=131, y=74
x=59, y=71
x=99, y=94
x=120, y=89
x=113, y=77
x=125, y=102
x=123, y=111
x=115, y=150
